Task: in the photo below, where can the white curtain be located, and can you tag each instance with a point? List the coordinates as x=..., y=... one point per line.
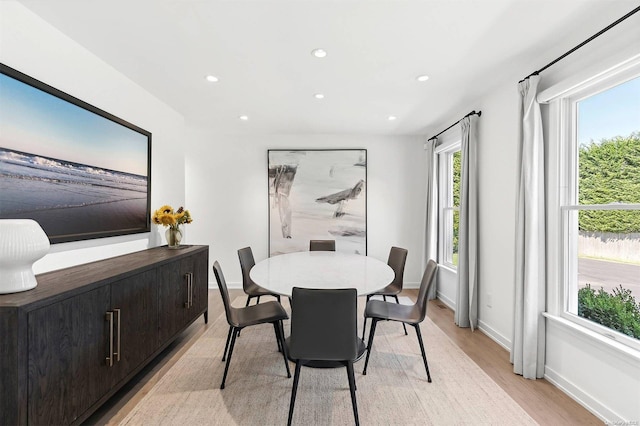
x=466, y=314
x=431, y=228
x=527, y=354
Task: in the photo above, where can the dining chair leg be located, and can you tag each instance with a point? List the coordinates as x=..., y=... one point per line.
x=364, y=327
x=280, y=336
x=226, y=346
x=226, y=367
x=364, y=324
x=424, y=356
x=403, y=324
x=294, y=390
x=352, y=390
x=276, y=329
x=372, y=332
x=247, y=304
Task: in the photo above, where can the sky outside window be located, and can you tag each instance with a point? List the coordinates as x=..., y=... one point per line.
x=614, y=112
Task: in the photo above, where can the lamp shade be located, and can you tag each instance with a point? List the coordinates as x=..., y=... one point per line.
x=22, y=243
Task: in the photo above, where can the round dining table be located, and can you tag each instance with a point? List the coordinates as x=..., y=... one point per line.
x=322, y=269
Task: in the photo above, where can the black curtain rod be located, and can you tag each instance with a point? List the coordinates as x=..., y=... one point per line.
x=479, y=113
x=599, y=33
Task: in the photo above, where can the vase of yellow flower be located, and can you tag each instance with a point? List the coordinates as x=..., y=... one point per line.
x=173, y=236
x=167, y=217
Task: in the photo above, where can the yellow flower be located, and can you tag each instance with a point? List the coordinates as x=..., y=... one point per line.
x=166, y=216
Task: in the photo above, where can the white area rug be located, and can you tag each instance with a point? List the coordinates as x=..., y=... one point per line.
x=395, y=390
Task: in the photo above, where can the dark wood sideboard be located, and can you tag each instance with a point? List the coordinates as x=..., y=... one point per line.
x=70, y=343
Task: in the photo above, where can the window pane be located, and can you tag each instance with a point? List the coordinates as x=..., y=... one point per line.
x=608, y=278
x=456, y=225
x=448, y=236
x=456, y=178
x=456, y=203
x=607, y=245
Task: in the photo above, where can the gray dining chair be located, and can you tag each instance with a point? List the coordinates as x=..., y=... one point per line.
x=322, y=245
x=379, y=310
x=239, y=318
x=324, y=328
x=397, y=260
x=250, y=288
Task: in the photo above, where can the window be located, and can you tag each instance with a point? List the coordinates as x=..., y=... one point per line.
x=599, y=205
x=449, y=203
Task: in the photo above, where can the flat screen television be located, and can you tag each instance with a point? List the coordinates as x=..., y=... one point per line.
x=77, y=170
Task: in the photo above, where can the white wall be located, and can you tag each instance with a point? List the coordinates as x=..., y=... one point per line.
x=497, y=156
x=603, y=378
x=226, y=179
x=32, y=46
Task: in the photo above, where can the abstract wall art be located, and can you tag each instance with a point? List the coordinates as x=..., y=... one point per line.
x=317, y=194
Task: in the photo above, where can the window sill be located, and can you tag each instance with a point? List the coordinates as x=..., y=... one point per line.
x=622, y=351
x=448, y=267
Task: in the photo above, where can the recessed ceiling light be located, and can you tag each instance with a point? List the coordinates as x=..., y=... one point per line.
x=319, y=53
x=244, y=117
x=422, y=77
x=318, y=96
x=212, y=78
x=392, y=117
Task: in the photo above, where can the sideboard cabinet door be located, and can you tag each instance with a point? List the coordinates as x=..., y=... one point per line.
x=200, y=286
x=173, y=299
x=68, y=346
x=134, y=301
x=182, y=287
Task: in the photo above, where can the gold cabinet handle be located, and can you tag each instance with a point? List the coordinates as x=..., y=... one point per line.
x=109, y=318
x=118, y=351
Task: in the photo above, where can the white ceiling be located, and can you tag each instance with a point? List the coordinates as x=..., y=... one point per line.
x=261, y=52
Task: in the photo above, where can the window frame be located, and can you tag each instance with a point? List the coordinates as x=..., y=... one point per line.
x=563, y=179
x=445, y=153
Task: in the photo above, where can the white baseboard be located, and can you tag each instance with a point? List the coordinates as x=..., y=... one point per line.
x=230, y=285
x=490, y=332
x=581, y=397
x=495, y=336
x=411, y=285
x=451, y=304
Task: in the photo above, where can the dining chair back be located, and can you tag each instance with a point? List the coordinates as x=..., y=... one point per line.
x=238, y=318
x=224, y=293
x=324, y=328
x=322, y=245
x=428, y=280
x=251, y=289
x=413, y=315
x=397, y=260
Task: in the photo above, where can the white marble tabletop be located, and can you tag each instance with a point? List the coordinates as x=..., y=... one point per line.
x=322, y=269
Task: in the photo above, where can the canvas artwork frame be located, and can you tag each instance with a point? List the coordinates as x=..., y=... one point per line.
x=80, y=172
x=317, y=194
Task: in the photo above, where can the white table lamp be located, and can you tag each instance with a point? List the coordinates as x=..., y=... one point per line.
x=22, y=243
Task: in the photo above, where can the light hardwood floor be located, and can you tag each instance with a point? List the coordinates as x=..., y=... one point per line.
x=543, y=401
